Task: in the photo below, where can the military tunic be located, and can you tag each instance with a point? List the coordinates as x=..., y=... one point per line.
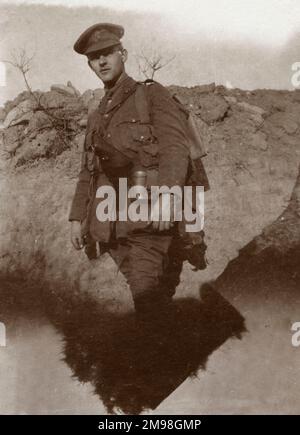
x=148, y=259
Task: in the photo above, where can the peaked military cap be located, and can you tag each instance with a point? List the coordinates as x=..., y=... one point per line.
x=98, y=37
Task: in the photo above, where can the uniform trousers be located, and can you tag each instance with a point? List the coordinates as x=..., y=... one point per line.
x=151, y=263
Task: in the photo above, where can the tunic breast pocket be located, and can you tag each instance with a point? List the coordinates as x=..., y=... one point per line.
x=146, y=144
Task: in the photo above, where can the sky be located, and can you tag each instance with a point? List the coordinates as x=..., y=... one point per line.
x=241, y=43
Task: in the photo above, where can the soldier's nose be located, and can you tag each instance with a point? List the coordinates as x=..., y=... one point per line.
x=102, y=60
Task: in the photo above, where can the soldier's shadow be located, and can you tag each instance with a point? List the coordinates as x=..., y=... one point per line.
x=135, y=368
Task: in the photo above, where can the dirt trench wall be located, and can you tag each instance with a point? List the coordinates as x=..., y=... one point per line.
x=253, y=141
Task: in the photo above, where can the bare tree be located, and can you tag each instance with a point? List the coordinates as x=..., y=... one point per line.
x=22, y=61
x=148, y=65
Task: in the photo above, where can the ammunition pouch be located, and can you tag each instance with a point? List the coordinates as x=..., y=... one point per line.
x=195, y=255
x=193, y=247
x=90, y=247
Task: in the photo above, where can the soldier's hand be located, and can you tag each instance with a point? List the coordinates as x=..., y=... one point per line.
x=162, y=214
x=76, y=237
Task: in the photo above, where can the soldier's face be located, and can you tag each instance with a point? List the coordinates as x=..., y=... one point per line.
x=108, y=64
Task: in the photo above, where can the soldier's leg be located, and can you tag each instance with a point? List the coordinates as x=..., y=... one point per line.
x=172, y=267
x=143, y=259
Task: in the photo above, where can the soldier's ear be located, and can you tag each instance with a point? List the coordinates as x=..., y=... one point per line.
x=124, y=54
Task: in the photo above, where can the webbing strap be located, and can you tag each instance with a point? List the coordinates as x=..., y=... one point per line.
x=141, y=103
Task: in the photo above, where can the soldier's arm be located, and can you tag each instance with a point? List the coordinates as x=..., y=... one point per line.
x=81, y=195
x=170, y=129
x=79, y=203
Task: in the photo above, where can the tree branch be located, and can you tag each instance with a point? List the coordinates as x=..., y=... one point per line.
x=149, y=65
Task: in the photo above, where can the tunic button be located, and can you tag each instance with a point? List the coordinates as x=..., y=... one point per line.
x=106, y=115
x=133, y=120
x=108, y=135
x=109, y=101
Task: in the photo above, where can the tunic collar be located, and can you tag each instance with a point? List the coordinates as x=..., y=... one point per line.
x=110, y=91
x=122, y=89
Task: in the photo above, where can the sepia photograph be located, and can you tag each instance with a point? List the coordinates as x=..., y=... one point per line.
x=149, y=209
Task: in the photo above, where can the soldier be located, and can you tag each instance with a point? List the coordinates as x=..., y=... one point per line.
x=148, y=256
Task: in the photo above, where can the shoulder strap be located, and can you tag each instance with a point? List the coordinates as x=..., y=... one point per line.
x=142, y=105
x=141, y=102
